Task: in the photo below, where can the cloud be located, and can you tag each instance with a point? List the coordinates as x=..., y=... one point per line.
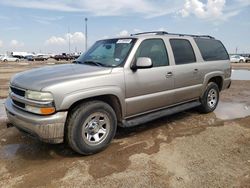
x=58, y=5
x=75, y=38
x=211, y=9
x=46, y=20
x=123, y=33
x=148, y=8
x=55, y=41
x=16, y=44
x=61, y=43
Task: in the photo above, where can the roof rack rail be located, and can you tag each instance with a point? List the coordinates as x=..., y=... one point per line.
x=166, y=33
x=151, y=32
x=203, y=36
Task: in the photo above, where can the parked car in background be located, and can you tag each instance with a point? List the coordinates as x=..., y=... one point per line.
x=37, y=58
x=247, y=59
x=63, y=56
x=7, y=58
x=237, y=59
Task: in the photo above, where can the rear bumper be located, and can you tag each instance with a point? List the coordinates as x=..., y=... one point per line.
x=49, y=129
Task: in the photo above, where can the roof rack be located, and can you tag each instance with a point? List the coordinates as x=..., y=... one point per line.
x=151, y=32
x=166, y=33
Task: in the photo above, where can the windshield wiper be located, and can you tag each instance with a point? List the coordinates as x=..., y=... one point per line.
x=96, y=63
x=77, y=62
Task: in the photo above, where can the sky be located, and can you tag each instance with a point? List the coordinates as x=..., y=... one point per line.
x=47, y=26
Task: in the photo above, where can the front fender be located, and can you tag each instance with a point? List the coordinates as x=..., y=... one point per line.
x=79, y=95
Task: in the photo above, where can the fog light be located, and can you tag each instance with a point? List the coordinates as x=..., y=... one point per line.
x=40, y=110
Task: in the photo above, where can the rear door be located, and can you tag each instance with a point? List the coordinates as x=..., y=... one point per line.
x=187, y=74
x=149, y=89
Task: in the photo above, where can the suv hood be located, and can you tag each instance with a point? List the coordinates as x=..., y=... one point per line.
x=36, y=79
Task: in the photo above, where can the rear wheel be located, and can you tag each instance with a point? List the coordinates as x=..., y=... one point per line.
x=5, y=60
x=90, y=127
x=210, y=98
x=241, y=61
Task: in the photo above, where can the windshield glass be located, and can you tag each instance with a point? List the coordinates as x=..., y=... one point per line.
x=107, y=53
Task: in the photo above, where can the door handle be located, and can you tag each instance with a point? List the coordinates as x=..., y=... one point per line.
x=196, y=70
x=169, y=74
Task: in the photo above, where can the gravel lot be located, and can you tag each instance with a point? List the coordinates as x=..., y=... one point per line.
x=184, y=150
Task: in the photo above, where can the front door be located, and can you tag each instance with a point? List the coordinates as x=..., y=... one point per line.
x=149, y=89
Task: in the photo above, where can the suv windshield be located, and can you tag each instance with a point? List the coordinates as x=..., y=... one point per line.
x=107, y=53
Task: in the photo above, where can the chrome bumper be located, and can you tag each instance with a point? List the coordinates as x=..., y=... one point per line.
x=47, y=128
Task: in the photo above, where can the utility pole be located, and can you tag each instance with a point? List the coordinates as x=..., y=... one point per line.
x=86, y=34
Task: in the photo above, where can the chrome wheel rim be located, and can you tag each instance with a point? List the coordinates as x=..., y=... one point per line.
x=212, y=98
x=96, y=128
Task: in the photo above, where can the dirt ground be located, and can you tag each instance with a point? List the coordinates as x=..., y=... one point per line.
x=184, y=150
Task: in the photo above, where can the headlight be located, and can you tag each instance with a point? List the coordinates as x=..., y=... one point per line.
x=38, y=96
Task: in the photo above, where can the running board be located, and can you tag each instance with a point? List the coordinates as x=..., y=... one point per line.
x=158, y=114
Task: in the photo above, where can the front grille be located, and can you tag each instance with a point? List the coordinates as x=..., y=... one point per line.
x=19, y=104
x=18, y=91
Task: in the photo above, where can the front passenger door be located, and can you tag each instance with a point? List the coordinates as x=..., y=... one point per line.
x=149, y=89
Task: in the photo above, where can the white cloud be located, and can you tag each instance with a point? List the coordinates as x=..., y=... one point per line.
x=148, y=8
x=212, y=9
x=123, y=33
x=55, y=41
x=77, y=37
x=61, y=43
x=16, y=44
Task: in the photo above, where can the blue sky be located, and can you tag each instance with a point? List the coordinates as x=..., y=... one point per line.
x=46, y=26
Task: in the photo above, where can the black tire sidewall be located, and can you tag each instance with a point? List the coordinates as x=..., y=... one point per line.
x=204, y=103
x=82, y=115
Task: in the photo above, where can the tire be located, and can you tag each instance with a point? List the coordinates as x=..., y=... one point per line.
x=210, y=98
x=100, y=122
x=5, y=60
x=17, y=60
x=241, y=61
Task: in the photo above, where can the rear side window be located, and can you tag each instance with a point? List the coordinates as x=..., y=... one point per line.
x=211, y=50
x=183, y=51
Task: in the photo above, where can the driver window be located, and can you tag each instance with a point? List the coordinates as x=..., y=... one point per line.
x=155, y=50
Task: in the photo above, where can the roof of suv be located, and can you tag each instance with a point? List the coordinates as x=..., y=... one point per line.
x=165, y=34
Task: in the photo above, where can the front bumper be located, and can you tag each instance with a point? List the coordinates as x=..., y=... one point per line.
x=49, y=129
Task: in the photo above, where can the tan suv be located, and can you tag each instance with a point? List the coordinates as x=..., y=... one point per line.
x=118, y=82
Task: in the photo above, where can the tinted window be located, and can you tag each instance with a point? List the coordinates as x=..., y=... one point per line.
x=211, y=50
x=183, y=51
x=154, y=49
x=110, y=52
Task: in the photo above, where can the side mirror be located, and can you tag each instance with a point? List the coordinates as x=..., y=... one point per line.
x=143, y=63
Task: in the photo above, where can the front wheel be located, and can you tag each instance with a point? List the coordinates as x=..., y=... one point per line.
x=90, y=127
x=210, y=98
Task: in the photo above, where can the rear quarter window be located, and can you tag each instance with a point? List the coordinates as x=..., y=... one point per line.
x=183, y=51
x=211, y=50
